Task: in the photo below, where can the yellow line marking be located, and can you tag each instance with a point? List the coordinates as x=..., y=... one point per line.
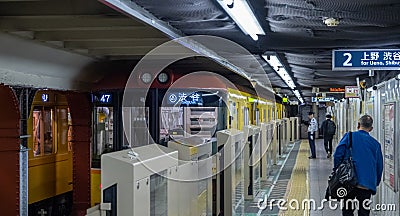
x=298, y=186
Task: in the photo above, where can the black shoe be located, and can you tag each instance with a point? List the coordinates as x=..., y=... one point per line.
x=311, y=157
x=329, y=155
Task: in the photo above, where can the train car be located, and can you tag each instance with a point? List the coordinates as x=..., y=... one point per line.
x=206, y=106
x=50, y=155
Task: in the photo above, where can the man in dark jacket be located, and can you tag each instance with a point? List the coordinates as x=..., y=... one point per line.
x=368, y=161
x=328, y=130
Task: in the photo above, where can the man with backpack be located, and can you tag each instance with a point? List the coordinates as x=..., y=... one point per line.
x=328, y=130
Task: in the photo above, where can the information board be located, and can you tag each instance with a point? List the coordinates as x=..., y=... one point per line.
x=389, y=175
x=369, y=59
x=322, y=99
x=351, y=92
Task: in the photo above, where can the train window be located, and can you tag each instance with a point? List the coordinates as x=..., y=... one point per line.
x=233, y=115
x=171, y=123
x=62, y=119
x=69, y=132
x=136, y=126
x=42, y=131
x=103, y=134
x=265, y=115
x=257, y=116
x=246, y=116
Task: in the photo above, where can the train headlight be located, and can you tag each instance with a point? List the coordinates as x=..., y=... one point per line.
x=162, y=77
x=146, y=78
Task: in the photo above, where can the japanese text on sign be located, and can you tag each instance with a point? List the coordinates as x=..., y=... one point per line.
x=351, y=92
x=322, y=99
x=366, y=59
x=185, y=98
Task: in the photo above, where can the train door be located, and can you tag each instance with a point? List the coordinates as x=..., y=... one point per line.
x=246, y=116
x=50, y=157
x=103, y=138
x=233, y=115
x=257, y=115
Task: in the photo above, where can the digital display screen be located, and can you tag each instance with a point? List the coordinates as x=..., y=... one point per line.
x=45, y=97
x=185, y=98
x=102, y=98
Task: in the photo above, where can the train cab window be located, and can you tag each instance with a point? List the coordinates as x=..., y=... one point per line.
x=103, y=134
x=42, y=131
x=136, y=126
x=171, y=123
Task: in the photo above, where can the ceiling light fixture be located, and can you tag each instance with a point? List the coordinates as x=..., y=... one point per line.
x=330, y=21
x=297, y=93
x=274, y=62
x=241, y=13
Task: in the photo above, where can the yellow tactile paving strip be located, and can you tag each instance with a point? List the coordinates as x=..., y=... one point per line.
x=298, y=186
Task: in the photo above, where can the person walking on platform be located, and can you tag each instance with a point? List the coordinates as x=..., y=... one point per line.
x=368, y=162
x=328, y=130
x=312, y=128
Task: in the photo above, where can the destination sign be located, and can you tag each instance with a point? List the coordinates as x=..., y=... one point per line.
x=381, y=59
x=322, y=99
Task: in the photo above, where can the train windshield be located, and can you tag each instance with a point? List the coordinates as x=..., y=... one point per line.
x=42, y=131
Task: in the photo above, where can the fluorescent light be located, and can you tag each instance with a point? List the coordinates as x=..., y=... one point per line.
x=297, y=93
x=241, y=13
x=274, y=62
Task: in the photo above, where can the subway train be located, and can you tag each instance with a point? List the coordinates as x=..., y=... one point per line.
x=49, y=155
x=180, y=109
x=207, y=106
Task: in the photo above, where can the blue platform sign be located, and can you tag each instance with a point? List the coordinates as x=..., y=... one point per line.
x=369, y=59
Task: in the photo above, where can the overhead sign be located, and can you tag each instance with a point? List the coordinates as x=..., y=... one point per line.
x=370, y=59
x=337, y=90
x=322, y=99
x=351, y=92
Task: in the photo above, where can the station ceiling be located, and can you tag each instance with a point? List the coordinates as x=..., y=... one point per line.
x=295, y=31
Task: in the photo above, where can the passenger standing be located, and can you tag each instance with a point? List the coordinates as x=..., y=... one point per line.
x=367, y=157
x=328, y=130
x=312, y=128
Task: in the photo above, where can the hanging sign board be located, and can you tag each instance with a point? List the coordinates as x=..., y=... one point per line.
x=337, y=90
x=389, y=171
x=369, y=59
x=351, y=92
x=322, y=99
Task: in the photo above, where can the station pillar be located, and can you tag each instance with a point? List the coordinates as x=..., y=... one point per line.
x=9, y=152
x=80, y=110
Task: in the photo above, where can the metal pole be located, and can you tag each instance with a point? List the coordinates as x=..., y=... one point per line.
x=23, y=159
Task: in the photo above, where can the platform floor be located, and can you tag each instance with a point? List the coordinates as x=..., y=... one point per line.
x=319, y=170
x=301, y=179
